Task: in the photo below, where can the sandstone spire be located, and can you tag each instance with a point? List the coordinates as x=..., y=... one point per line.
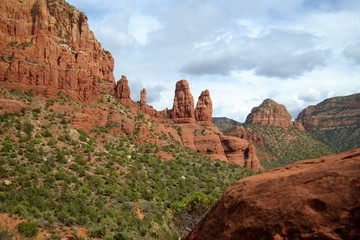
x=143, y=97
x=183, y=108
x=204, y=110
x=122, y=90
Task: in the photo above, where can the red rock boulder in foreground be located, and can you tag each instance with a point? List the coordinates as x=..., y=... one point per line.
x=310, y=199
x=47, y=46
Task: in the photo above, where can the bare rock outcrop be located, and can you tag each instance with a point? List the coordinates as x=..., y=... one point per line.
x=246, y=134
x=204, y=109
x=122, y=90
x=310, y=199
x=143, y=97
x=337, y=112
x=270, y=113
x=47, y=46
x=183, y=107
x=335, y=121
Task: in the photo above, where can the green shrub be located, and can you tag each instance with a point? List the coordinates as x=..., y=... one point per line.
x=28, y=229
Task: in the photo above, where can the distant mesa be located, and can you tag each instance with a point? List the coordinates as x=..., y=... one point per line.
x=270, y=113
x=335, y=121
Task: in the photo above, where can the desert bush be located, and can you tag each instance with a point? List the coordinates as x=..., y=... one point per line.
x=28, y=229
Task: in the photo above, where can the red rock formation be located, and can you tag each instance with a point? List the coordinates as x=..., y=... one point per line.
x=310, y=199
x=337, y=112
x=204, y=109
x=47, y=46
x=11, y=106
x=246, y=134
x=122, y=90
x=183, y=107
x=251, y=159
x=210, y=144
x=234, y=149
x=143, y=97
x=164, y=155
x=270, y=113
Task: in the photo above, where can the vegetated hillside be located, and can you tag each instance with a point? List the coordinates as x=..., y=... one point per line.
x=61, y=178
x=335, y=121
x=286, y=145
x=225, y=124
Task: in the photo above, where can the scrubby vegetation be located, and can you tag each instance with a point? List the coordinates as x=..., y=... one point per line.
x=340, y=139
x=283, y=146
x=59, y=178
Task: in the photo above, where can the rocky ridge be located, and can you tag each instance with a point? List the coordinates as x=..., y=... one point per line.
x=270, y=113
x=316, y=198
x=335, y=121
x=47, y=46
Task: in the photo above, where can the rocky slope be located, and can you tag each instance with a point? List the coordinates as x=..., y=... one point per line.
x=98, y=168
x=270, y=113
x=335, y=121
x=311, y=199
x=47, y=46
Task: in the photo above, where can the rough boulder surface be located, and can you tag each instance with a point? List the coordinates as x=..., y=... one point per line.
x=270, y=113
x=47, y=46
x=204, y=108
x=183, y=107
x=311, y=199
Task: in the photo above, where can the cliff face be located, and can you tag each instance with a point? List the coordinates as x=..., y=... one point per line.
x=335, y=121
x=47, y=46
x=311, y=199
x=337, y=112
x=270, y=113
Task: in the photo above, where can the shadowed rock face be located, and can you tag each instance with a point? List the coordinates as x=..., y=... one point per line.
x=311, y=199
x=270, y=113
x=47, y=46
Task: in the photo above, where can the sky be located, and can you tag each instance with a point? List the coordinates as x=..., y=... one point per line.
x=296, y=52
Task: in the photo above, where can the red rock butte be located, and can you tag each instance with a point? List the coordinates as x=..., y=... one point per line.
x=270, y=113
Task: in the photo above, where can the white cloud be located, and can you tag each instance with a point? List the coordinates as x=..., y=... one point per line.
x=140, y=26
x=296, y=52
x=352, y=52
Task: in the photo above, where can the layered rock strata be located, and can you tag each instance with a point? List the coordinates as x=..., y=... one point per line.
x=47, y=46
